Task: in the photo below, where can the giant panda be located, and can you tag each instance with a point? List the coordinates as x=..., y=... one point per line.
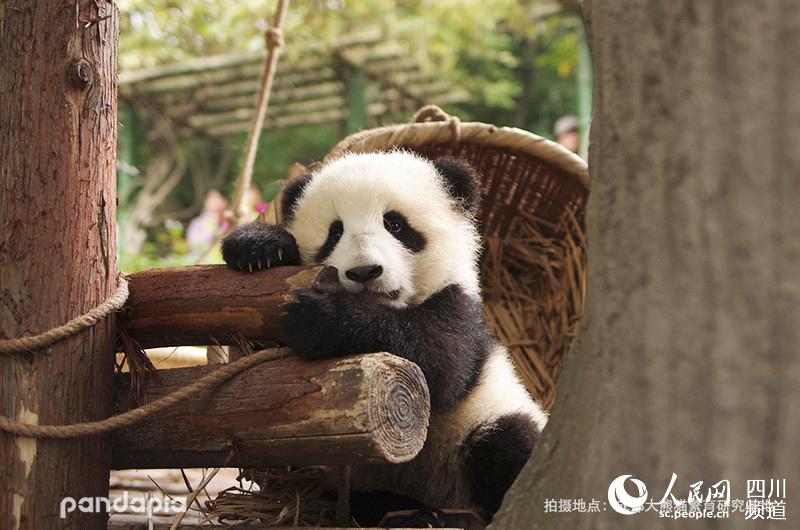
x=401, y=232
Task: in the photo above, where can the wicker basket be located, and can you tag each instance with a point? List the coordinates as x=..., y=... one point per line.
x=533, y=198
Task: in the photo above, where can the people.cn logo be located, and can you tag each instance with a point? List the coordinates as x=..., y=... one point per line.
x=623, y=502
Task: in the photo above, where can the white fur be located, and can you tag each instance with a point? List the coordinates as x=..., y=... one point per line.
x=359, y=189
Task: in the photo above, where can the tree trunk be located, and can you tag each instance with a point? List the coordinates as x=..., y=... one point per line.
x=58, y=121
x=688, y=361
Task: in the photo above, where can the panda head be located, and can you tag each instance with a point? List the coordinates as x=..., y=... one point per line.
x=395, y=226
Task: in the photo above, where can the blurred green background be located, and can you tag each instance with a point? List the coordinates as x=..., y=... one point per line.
x=189, y=71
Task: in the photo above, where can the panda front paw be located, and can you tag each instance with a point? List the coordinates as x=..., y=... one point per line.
x=311, y=326
x=257, y=246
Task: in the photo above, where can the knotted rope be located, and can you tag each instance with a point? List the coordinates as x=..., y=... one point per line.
x=136, y=415
x=274, y=38
x=430, y=113
x=71, y=328
x=87, y=320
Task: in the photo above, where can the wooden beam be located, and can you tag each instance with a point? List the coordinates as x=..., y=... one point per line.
x=244, y=78
x=188, y=67
x=312, y=92
x=221, y=78
x=281, y=109
x=327, y=110
x=208, y=304
x=384, y=68
x=291, y=113
x=354, y=410
x=327, y=116
x=324, y=117
x=228, y=61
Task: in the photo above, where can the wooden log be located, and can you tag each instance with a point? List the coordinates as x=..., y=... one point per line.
x=353, y=410
x=58, y=142
x=208, y=304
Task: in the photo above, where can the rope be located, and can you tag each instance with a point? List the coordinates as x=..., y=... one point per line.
x=134, y=416
x=455, y=128
x=71, y=328
x=430, y=113
x=274, y=42
x=274, y=38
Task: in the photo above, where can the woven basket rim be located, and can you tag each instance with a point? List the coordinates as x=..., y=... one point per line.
x=453, y=131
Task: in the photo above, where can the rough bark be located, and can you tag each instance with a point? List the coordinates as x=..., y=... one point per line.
x=688, y=358
x=58, y=121
x=364, y=408
x=209, y=304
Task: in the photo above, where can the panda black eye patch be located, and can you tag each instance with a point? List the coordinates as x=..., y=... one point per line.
x=335, y=231
x=397, y=225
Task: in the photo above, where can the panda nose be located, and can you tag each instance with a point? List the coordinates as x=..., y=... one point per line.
x=365, y=273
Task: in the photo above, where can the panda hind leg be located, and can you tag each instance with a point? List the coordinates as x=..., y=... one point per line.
x=495, y=454
x=368, y=508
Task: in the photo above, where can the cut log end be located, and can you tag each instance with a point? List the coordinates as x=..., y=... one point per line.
x=398, y=406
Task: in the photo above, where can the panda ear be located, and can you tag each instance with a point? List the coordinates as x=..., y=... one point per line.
x=291, y=194
x=462, y=181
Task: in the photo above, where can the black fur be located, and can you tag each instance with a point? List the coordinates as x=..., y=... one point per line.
x=496, y=453
x=335, y=231
x=291, y=194
x=462, y=180
x=256, y=246
x=369, y=507
x=446, y=336
x=397, y=225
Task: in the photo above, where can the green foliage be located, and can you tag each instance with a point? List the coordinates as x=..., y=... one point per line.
x=516, y=58
x=277, y=150
x=469, y=42
x=166, y=247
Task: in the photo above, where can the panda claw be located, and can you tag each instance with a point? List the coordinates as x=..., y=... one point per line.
x=280, y=254
x=250, y=266
x=259, y=265
x=269, y=263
